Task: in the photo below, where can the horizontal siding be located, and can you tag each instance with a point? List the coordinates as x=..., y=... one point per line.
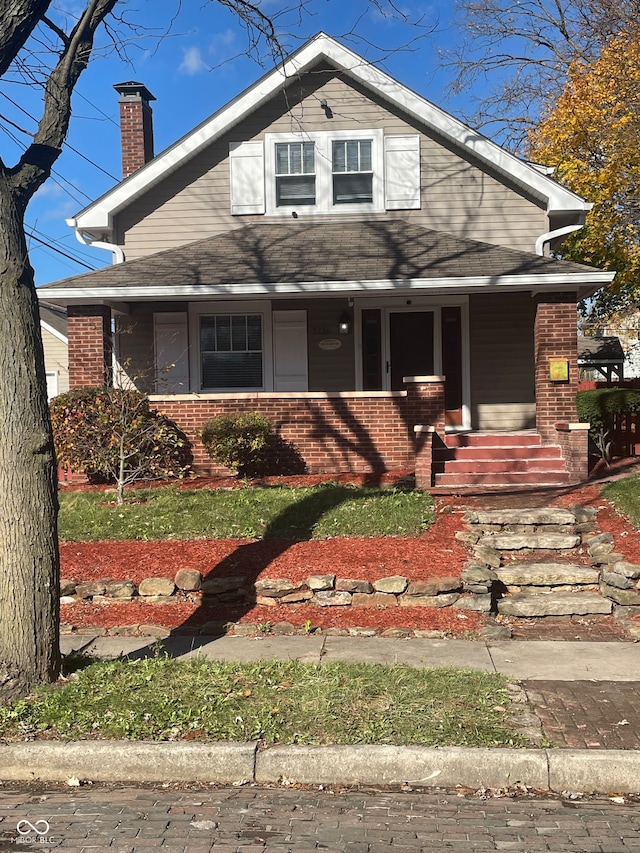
x=329, y=370
x=502, y=361
x=457, y=197
x=56, y=359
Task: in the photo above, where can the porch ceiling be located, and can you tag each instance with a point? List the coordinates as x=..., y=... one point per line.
x=328, y=257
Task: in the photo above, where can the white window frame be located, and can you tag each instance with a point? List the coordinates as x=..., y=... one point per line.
x=324, y=172
x=199, y=309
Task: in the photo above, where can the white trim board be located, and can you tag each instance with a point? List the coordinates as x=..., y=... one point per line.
x=239, y=290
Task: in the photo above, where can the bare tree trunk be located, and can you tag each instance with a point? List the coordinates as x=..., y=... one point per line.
x=29, y=563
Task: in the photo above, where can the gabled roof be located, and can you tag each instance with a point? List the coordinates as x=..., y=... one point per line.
x=97, y=218
x=350, y=256
x=599, y=350
x=53, y=318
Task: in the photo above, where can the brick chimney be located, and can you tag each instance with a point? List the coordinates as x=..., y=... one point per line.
x=136, y=126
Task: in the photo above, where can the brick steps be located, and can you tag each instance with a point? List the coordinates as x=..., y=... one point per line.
x=481, y=460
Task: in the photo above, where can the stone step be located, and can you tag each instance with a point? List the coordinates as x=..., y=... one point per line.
x=530, y=541
x=554, y=604
x=546, y=574
x=533, y=516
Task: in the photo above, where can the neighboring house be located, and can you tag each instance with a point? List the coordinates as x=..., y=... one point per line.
x=53, y=325
x=600, y=359
x=334, y=250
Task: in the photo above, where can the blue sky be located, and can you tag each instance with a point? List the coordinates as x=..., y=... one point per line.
x=192, y=72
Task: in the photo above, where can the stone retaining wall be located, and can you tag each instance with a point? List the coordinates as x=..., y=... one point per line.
x=318, y=590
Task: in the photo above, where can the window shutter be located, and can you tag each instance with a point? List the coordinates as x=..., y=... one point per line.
x=402, y=172
x=290, y=351
x=171, y=352
x=246, y=163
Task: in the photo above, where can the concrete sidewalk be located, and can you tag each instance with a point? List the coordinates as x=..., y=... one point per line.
x=541, y=667
x=530, y=660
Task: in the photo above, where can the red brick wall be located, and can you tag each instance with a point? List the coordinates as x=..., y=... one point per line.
x=574, y=444
x=555, y=337
x=89, y=332
x=136, y=133
x=353, y=431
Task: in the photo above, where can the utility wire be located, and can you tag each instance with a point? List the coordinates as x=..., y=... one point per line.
x=67, y=144
x=32, y=236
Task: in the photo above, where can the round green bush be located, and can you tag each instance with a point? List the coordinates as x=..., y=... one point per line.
x=96, y=430
x=240, y=442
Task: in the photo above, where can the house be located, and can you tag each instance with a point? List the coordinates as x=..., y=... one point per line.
x=53, y=327
x=600, y=358
x=335, y=251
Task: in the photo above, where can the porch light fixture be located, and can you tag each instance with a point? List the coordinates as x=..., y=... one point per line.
x=344, y=323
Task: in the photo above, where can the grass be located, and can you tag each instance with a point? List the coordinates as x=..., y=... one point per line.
x=276, y=702
x=316, y=512
x=625, y=494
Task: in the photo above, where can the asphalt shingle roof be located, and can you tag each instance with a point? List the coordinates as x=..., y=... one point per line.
x=369, y=250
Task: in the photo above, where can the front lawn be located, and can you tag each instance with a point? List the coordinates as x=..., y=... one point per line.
x=317, y=512
x=274, y=702
x=625, y=494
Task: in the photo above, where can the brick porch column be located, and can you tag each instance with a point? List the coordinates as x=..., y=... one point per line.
x=555, y=337
x=90, y=345
x=425, y=417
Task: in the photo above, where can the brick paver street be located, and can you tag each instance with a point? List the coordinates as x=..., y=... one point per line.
x=588, y=714
x=263, y=820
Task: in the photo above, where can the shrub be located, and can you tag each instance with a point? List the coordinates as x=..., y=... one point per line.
x=113, y=435
x=240, y=441
x=601, y=407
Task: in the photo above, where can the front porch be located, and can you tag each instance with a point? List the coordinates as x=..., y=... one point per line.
x=375, y=432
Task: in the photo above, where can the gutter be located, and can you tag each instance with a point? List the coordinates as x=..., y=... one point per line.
x=82, y=237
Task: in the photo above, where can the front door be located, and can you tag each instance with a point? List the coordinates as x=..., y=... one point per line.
x=410, y=346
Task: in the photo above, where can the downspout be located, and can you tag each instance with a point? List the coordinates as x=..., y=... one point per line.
x=551, y=235
x=117, y=253
x=117, y=257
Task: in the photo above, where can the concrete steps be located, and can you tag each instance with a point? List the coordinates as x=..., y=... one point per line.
x=473, y=460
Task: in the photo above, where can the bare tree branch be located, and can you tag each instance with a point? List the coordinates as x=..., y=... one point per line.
x=523, y=52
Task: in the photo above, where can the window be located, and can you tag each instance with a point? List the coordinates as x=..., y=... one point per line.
x=321, y=172
x=324, y=172
x=352, y=172
x=295, y=173
x=231, y=351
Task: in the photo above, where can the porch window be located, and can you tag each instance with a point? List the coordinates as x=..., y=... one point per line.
x=231, y=351
x=295, y=174
x=352, y=171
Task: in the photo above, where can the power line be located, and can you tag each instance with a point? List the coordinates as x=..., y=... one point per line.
x=22, y=146
x=32, y=236
x=67, y=144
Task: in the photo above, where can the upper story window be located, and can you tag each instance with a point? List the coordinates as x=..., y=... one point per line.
x=295, y=173
x=323, y=172
x=319, y=172
x=352, y=169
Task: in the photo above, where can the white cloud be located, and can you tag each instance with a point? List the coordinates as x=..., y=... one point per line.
x=192, y=62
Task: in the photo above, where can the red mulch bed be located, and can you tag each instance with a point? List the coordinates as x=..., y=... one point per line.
x=434, y=554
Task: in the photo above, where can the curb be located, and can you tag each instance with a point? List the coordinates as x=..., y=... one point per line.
x=587, y=771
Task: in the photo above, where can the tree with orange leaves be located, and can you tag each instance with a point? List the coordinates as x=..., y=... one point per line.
x=592, y=138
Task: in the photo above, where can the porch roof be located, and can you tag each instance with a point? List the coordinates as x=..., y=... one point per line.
x=342, y=257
